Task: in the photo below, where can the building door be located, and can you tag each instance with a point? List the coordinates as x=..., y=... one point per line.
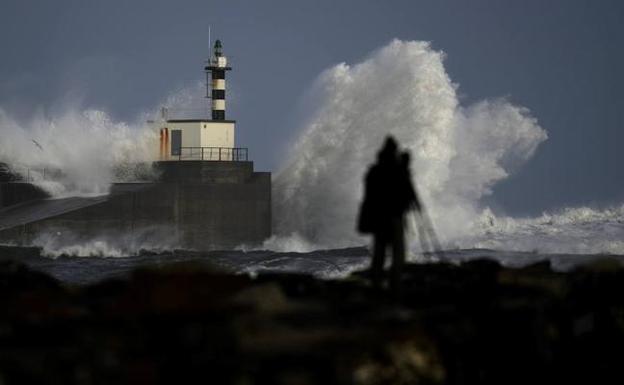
x=176, y=142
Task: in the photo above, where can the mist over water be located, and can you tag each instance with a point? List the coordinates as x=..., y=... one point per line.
x=403, y=89
x=80, y=152
x=76, y=152
x=459, y=153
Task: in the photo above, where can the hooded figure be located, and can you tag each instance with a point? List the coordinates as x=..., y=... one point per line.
x=388, y=195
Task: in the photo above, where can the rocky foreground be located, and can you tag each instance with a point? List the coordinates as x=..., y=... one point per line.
x=474, y=323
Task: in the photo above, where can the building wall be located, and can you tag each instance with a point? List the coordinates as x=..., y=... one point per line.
x=191, y=133
x=204, y=133
x=199, y=172
x=218, y=134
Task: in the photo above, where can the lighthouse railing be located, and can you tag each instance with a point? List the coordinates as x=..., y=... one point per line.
x=223, y=154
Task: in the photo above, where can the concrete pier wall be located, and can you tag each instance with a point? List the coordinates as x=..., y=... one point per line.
x=198, y=205
x=12, y=193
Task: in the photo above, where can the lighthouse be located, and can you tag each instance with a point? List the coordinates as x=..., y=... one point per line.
x=215, y=81
x=204, y=193
x=210, y=138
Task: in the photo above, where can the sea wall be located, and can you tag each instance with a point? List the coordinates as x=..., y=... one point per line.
x=12, y=193
x=195, y=205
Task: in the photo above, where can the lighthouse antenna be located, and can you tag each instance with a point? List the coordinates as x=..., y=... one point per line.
x=208, y=96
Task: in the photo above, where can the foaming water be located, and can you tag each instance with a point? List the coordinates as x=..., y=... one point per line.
x=459, y=152
x=66, y=243
x=580, y=230
x=74, y=153
x=79, y=152
x=326, y=264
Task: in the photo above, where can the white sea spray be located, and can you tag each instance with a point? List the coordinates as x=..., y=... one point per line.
x=80, y=152
x=459, y=152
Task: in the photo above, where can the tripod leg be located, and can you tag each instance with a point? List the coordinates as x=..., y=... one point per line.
x=425, y=247
x=431, y=233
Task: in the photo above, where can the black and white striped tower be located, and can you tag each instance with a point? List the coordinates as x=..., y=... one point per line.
x=215, y=76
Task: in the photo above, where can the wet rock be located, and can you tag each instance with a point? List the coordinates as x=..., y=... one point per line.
x=477, y=322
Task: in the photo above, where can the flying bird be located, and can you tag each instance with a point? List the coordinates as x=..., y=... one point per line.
x=37, y=144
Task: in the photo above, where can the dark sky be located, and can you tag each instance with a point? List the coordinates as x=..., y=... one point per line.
x=562, y=59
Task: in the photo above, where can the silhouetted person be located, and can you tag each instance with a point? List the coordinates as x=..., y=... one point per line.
x=388, y=195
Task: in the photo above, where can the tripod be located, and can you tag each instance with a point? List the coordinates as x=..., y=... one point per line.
x=426, y=234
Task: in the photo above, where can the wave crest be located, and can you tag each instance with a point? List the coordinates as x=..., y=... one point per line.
x=402, y=89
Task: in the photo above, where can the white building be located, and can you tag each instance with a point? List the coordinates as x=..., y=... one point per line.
x=203, y=139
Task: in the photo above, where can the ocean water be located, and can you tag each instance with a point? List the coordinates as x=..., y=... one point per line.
x=567, y=239
x=324, y=264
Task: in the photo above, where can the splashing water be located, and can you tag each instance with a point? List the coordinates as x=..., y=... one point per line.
x=459, y=153
x=581, y=230
x=86, y=148
x=67, y=243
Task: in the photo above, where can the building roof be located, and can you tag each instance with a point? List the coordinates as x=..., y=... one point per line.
x=199, y=121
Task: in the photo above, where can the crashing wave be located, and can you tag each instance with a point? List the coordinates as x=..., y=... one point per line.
x=580, y=230
x=403, y=89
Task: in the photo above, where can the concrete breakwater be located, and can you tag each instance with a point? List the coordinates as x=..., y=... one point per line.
x=477, y=322
x=19, y=192
x=204, y=205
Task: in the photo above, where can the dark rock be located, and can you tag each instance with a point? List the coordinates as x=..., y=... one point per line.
x=477, y=322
